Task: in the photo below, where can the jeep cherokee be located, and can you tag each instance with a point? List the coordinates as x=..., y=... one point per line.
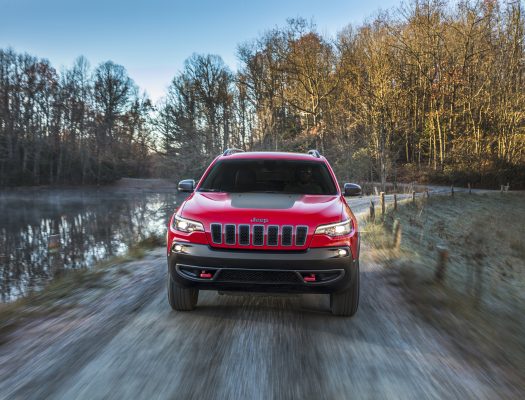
x=265, y=221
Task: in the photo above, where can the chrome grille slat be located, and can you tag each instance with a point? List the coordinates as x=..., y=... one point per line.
x=216, y=233
x=273, y=235
x=286, y=235
x=229, y=234
x=258, y=235
x=300, y=235
x=244, y=235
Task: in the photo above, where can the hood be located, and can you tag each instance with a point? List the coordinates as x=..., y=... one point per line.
x=265, y=208
x=262, y=209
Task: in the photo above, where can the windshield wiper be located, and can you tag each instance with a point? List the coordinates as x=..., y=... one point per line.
x=209, y=190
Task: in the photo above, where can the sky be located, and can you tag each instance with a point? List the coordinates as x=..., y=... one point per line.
x=152, y=38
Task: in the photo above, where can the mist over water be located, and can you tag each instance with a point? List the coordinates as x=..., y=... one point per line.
x=91, y=227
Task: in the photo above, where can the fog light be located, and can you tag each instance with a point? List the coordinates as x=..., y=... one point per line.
x=342, y=252
x=177, y=248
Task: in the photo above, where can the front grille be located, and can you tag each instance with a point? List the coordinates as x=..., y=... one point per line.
x=273, y=235
x=286, y=238
x=258, y=235
x=229, y=234
x=216, y=233
x=257, y=276
x=300, y=236
x=244, y=235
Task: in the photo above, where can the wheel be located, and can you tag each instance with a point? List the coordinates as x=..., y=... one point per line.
x=345, y=303
x=181, y=298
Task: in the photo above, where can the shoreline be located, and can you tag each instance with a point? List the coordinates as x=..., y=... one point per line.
x=123, y=185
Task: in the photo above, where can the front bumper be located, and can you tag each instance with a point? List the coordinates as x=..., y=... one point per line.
x=315, y=270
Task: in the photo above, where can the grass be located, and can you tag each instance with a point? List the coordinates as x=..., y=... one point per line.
x=57, y=295
x=481, y=301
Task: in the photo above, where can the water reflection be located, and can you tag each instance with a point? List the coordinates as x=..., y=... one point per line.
x=90, y=227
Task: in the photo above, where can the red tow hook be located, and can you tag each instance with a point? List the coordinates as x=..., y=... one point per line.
x=310, y=278
x=205, y=275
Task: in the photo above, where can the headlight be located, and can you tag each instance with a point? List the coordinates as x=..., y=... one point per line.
x=186, y=225
x=338, y=229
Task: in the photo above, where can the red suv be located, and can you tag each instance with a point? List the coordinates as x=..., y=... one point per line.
x=265, y=221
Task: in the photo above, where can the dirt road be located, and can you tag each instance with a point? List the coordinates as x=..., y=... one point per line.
x=127, y=343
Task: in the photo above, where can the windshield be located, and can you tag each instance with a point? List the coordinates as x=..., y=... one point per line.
x=269, y=176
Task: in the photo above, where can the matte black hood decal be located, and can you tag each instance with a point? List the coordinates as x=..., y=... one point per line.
x=276, y=201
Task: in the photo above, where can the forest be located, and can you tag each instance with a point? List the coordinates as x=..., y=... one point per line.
x=432, y=91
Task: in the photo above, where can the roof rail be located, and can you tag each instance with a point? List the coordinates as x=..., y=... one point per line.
x=229, y=152
x=314, y=153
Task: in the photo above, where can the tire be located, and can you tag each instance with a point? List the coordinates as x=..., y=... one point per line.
x=181, y=298
x=345, y=303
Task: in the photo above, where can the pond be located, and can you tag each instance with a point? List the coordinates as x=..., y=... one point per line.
x=87, y=226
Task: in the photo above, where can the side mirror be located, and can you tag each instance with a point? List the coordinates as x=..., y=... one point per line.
x=186, y=185
x=352, y=189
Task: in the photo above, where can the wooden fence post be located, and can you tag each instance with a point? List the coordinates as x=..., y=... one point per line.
x=56, y=263
x=469, y=189
x=441, y=267
x=53, y=243
x=427, y=193
x=382, y=197
x=452, y=191
x=395, y=201
x=413, y=196
x=396, y=234
x=372, y=211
